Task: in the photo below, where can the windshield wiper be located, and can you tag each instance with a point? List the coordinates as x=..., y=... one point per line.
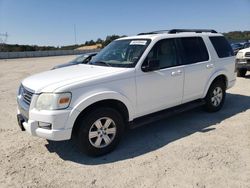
x=100, y=62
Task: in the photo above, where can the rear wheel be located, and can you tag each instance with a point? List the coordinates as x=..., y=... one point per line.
x=215, y=96
x=99, y=131
x=241, y=72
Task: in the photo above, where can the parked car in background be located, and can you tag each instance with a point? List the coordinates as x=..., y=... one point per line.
x=246, y=45
x=243, y=62
x=236, y=47
x=82, y=59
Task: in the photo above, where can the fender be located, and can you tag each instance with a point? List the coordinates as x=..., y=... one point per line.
x=211, y=79
x=96, y=97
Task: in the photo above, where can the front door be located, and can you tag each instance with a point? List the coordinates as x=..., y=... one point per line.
x=161, y=88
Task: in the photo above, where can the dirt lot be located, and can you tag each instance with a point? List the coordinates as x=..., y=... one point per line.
x=194, y=149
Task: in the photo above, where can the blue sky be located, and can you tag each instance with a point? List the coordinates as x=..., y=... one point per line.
x=51, y=22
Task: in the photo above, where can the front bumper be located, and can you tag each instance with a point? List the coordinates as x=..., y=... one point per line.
x=57, y=120
x=32, y=128
x=243, y=64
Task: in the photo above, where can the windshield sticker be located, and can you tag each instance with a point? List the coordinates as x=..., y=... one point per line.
x=138, y=42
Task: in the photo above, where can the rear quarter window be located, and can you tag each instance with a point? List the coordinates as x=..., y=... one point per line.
x=222, y=46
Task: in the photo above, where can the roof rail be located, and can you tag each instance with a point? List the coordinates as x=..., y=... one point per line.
x=154, y=32
x=149, y=33
x=173, y=31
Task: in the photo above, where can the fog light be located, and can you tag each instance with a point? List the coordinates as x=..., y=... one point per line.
x=44, y=125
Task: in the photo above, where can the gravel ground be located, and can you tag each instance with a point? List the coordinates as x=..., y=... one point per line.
x=193, y=149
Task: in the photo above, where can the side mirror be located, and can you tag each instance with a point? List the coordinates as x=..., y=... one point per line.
x=150, y=65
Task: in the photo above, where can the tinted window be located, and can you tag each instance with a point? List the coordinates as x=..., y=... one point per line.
x=222, y=47
x=193, y=50
x=165, y=52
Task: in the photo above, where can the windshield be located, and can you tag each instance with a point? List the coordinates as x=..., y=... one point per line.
x=235, y=46
x=121, y=53
x=247, y=45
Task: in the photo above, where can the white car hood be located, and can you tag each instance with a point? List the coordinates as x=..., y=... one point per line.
x=245, y=50
x=51, y=80
x=241, y=53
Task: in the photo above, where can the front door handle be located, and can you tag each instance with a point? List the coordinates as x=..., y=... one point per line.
x=209, y=66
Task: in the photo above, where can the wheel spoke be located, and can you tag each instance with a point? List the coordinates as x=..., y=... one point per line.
x=98, y=141
x=215, y=91
x=107, y=123
x=220, y=95
x=218, y=100
x=111, y=131
x=215, y=102
x=93, y=134
x=106, y=139
x=98, y=124
x=212, y=99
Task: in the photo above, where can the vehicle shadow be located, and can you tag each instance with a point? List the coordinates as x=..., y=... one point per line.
x=151, y=137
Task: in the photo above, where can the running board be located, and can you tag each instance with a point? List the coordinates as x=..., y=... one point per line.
x=164, y=114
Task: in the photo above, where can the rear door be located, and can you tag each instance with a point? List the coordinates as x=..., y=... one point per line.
x=197, y=66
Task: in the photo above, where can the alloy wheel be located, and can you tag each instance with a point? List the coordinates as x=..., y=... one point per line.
x=102, y=132
x=217, y=96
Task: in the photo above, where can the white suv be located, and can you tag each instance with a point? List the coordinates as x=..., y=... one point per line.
x=133, y=81
x=243, y=62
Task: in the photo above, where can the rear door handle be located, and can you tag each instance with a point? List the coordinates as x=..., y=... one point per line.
x=209, y=66
x=176, y=73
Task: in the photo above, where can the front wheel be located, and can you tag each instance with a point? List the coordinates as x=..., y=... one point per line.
x=99, y=131
x=215, y=97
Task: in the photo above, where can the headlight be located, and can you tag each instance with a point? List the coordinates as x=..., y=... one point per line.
x=20, y=90
x=239, y=55
x=53, y=101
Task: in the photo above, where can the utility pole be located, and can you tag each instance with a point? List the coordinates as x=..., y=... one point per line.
x=3, y=40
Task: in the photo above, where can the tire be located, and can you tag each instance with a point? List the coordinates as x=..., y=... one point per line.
x=215, y=97
x=99, y=131
x=241, y=72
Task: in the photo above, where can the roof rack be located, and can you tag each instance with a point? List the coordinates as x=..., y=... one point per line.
x=154, y=32
x=174, y=31
x=149, y=33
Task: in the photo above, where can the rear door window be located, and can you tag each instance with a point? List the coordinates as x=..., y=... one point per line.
x=193, y=50
x=221, y=46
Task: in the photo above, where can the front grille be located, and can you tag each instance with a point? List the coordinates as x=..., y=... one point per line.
x=26, y=95
x=247, y=54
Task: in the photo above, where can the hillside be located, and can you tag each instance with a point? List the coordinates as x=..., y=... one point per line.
x=234, y=36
